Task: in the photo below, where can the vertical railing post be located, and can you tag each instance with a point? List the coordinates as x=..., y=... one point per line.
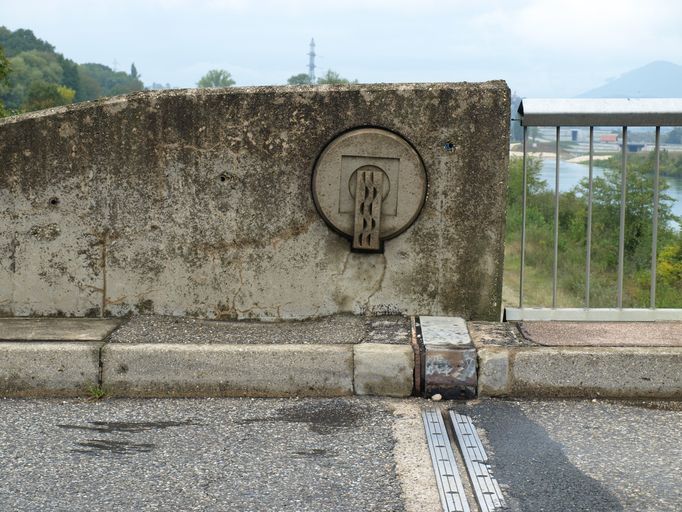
x=621, y=234
x=588, y=248
x=555, y=269
x=523, y=216
x=654, y=233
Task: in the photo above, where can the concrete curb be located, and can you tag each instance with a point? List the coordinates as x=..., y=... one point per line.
x=580, y=372
x=383, y=370
x=178, y=370
x=72, y=368
x=160, y=370
x=506, y=366
x=48, y=369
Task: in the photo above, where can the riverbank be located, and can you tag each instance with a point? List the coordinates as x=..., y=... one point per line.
x=549, y=155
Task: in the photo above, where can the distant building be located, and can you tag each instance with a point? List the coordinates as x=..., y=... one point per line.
x=609, y=138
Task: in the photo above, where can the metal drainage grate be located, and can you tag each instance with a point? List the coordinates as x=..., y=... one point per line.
x=486, y=488
x=449, y=483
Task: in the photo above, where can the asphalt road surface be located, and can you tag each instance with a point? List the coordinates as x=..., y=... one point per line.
x=569, y=456
x=349, y=454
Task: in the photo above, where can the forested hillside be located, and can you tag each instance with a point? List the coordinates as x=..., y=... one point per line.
x=38, y=77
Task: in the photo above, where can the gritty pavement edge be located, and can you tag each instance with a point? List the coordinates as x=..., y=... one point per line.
x=412, y=460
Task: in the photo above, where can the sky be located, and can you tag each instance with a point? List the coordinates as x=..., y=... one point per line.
x=542, y=48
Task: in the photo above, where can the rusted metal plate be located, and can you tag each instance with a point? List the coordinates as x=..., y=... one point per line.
x=449, y=359
x=450, y=373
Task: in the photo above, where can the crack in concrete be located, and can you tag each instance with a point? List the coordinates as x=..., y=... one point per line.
x=13, y=268
x=379, y=286
x=345, y=265
x=103, y=263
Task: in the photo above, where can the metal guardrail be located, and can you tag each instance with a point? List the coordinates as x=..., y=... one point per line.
x=623, y=113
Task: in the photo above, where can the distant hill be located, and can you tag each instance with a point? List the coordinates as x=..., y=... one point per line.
x=39, y=77
x=658, y=79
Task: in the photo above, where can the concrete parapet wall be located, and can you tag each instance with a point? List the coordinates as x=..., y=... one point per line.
x=198, y=202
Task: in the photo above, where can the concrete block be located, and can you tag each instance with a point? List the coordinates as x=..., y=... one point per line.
x=383, y=370
x=227, y=370
x=32, y=369
x=623, y=372
x=493, y=372
x=444, y=331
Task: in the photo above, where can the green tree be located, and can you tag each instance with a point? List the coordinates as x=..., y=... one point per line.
x=4, y=71
x=605, y=235
x=89, y=88
x=216, y=78
x=300, y=79
x=27, y=68
x=70, y=77
x=46, y=95
x=109, y=82
x=332, y=77
x=674, y=136
x=35, y=64
x=4, y=65
x=22, y=40
x=536, y=185
x=669, y=266
x=638, y=211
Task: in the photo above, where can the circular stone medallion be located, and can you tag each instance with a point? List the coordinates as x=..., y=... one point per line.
x=335, y=178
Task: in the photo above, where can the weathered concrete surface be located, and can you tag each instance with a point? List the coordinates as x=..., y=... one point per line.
x=175, y=370
x=65, y=329
x=198, y=202
x=493, y=371
x=496, y=333
x=604, y=334
x=613, y=372
x=34, y=369
x=338, y=329
x=383, y=370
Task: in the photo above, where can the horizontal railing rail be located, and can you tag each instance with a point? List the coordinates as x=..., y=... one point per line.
x=589, y=113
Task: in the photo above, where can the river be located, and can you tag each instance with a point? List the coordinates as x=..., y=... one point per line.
x=571, y=173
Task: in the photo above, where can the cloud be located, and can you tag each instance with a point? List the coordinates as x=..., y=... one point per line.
x=541, y=47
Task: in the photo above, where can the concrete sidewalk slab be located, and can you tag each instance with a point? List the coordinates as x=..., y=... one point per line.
x=604, y=334
x=338, y=329
x=59, y=329
x=48, y=369
x=177, y=370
